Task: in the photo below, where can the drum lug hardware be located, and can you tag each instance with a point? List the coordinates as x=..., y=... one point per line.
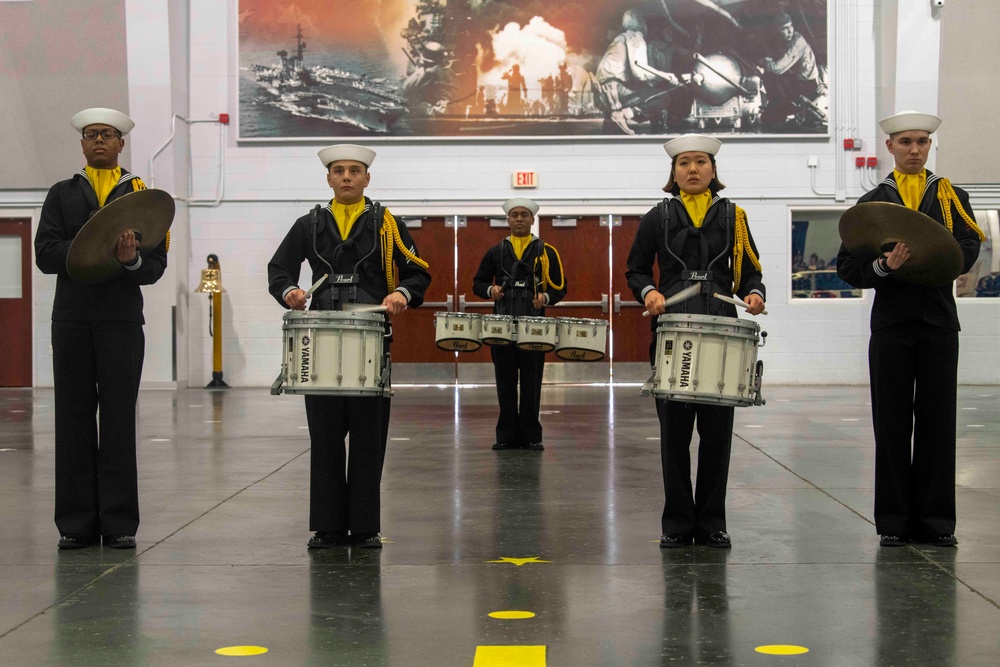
x=758, y=380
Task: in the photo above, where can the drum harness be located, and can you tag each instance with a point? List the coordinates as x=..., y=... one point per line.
x=518, y=286
x=689, y=277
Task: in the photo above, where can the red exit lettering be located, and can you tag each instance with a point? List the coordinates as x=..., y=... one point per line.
x=525, y=179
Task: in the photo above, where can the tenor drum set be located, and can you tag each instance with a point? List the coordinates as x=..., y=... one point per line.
x=571, y=339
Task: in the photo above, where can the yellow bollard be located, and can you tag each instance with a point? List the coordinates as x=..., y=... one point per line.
x=211, y=283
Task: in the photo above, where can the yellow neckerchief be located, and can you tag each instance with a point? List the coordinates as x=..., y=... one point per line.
x=519, y=243
x=911, y=187
x=103, y=181
x=697, y=206
x=345, y=215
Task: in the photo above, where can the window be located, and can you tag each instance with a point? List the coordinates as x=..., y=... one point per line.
x=984, y=278
x=815, y=244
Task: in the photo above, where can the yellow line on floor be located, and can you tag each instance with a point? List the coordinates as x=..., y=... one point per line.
x=509, y=656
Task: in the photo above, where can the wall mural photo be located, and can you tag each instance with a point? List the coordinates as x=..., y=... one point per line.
x=311, y=69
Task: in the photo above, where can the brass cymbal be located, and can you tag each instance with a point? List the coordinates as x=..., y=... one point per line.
x=91, y=257
x=936, y=258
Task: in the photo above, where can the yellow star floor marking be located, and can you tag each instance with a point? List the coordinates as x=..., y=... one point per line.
x=509, y=656
x=519, y=561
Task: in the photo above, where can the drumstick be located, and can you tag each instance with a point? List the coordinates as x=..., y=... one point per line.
x=369, y=309
x=683, y=295
x=735, y=302
x=315, y=286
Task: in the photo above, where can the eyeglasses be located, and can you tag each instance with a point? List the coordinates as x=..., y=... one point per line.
x=107, y=133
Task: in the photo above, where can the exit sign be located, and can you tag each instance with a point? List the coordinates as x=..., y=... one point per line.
x=524, y=179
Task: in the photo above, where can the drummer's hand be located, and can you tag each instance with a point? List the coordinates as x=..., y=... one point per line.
x=897, y=256
x=296, y=299
x=654, y=302
x=538, y=301
x=755, y=304
x=496, y=292
x=127, y=247
x=395, y=303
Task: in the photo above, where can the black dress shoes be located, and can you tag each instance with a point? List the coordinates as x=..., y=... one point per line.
x=893, y=541
x=120, y=541
x=497, y=446
x=719, y=540
x=325, y=539
x=76, y=541
x=943, y=541
x=535, y=446
x=373, y=541
x=673, y=541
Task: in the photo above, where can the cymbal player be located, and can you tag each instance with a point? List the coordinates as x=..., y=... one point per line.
x=913, y=349
x=98, y=344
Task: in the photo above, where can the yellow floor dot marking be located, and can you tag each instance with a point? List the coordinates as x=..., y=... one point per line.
x=241, y=651
x=509, y=656
x=782, y=649
x=511, y=615
x=519, y=561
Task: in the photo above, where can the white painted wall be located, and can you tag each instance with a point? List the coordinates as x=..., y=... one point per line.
x=267, y=186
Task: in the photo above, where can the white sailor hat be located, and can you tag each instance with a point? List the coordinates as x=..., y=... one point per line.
x=692, y=142
x=115, y=119
x=910, y=120
x=521, y=202
x=346, y=152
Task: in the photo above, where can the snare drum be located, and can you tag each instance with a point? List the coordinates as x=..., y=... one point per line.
x=536, y=334
x=458, y=331
x=581, y=340
x=332, y=352
x=498, y=330
x=706, y=359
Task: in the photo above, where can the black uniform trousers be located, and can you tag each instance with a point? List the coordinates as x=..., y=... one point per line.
x=914, y=378
x=338, y=500
x=518, y=422
x=700, y=511
x=97, y=367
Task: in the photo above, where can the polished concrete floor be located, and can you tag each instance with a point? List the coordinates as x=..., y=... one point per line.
x=222, y=559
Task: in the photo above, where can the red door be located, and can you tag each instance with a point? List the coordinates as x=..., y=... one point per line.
x=15, y=303
x=415, y=357
x=582, y=243
x=632, y=334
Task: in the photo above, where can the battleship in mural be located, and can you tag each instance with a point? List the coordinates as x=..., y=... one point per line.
x=328, y=93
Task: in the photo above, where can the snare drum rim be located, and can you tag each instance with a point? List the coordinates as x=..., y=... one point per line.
x=583, y=321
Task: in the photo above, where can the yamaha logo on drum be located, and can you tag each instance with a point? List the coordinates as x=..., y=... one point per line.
x=305, y=360
x=685, y=378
